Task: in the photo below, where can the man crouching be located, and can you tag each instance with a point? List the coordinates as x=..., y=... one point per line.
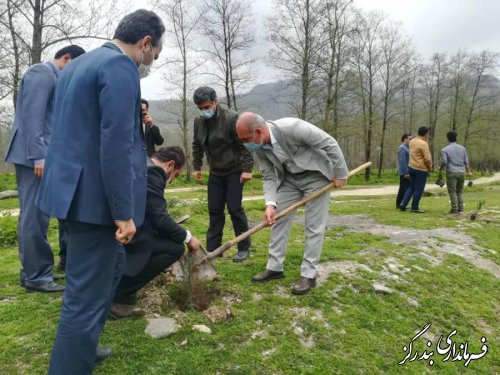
x=159, y=242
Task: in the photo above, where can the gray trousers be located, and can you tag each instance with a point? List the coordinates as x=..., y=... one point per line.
x=294, y=188
x=455, y=183
x=35, y=252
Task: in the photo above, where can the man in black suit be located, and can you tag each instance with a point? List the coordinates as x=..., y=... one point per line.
x=152, y=134
x=160, y=241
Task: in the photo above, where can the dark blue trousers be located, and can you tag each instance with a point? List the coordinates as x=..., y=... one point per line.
x=416, y=189
x=35, y=252
x=94, y=266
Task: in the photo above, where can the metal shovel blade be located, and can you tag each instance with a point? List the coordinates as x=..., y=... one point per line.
x=206, y=271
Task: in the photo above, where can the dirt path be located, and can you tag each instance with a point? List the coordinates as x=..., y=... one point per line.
x=387, y=189
x=372, y=191
x=362, y=191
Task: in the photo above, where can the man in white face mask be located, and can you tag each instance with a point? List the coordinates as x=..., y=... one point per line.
x=95, y=178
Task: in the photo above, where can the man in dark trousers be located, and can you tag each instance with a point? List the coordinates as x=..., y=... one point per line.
x=403, y=171
x=30, y=138
x=95, y=179
x=230, y=167
x=160, y=241
x=420, y=166
x=152, y=135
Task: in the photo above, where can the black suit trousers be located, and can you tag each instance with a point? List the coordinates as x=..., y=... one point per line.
x=404, y=184
x=165, y=252
x=224, y=190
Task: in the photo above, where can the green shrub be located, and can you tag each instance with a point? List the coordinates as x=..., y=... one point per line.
x=8, y=230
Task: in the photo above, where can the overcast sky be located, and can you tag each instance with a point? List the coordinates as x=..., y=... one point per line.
x=434, y=26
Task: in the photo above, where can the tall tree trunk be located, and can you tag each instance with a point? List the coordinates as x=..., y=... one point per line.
x=471, y=110
x=15, y=49
x=384, y=128
x=36, y=51
x=185, y=133
x=306, y=65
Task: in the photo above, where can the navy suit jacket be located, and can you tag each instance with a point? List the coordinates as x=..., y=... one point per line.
x=95, y=169
x=32, y=123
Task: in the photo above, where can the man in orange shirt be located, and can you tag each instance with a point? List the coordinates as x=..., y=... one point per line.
x=420, y=165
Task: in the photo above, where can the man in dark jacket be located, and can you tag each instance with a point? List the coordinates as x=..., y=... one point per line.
x=403, y=170
x=152, y=135
x=230, y=167
x=160, y=241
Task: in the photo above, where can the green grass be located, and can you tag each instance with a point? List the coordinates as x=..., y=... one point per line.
x=7, y=181
x=355, y=330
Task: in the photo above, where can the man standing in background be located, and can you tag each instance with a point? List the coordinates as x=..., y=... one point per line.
x=454, y=158
x=403, y=171
x=95, y=179
x=420, y=166
x=152, y=135
x=230, y=167
x=30, y=138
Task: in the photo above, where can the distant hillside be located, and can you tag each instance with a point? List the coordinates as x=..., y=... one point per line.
x=269, y=100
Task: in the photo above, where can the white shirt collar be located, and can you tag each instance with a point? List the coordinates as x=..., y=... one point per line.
x=273, y=139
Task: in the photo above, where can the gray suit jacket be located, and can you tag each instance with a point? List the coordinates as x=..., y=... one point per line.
x=33, y=120
x=308, y=146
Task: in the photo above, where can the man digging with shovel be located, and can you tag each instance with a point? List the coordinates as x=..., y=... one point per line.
x=296, y=159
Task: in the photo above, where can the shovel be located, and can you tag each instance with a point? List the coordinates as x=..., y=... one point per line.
x=278, y=216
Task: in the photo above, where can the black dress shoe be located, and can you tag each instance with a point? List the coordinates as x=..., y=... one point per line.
x=402, y=208
x=131, y=299
x=121, y=311
x=50, y=287
x=102, y=352
x=241, y=256
x=267, y=275
x=55, y=276
x=304, y=285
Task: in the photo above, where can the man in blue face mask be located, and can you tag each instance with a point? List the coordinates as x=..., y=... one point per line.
x=230, y=167
x=296, y=159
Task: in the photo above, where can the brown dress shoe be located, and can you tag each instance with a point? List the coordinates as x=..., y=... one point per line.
x=120, y=311
x=303, y=285
x=267, y=275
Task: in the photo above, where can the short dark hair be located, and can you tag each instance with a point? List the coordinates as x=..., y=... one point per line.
x=404, y=136
x=144, y=101
x=135, y=26
x=203, y=94
x=452, y=136
x=423, y=130
x=73, y=50
x=175, y=153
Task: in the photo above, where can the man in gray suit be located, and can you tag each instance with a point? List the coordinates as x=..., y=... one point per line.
x=296, y=159
x=28, y=145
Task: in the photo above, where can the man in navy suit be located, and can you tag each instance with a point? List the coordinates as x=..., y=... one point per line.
x=27, y=149
x=95, y=179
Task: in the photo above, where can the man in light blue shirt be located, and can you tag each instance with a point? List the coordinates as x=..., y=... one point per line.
x=454, y=159
x=403, y=171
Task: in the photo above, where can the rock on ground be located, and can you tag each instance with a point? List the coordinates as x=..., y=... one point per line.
x=161, y=327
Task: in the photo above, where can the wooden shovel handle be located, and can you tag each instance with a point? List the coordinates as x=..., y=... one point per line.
x=278, y=216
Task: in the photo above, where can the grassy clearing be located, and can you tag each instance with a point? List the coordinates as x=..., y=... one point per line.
x=341, y=327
